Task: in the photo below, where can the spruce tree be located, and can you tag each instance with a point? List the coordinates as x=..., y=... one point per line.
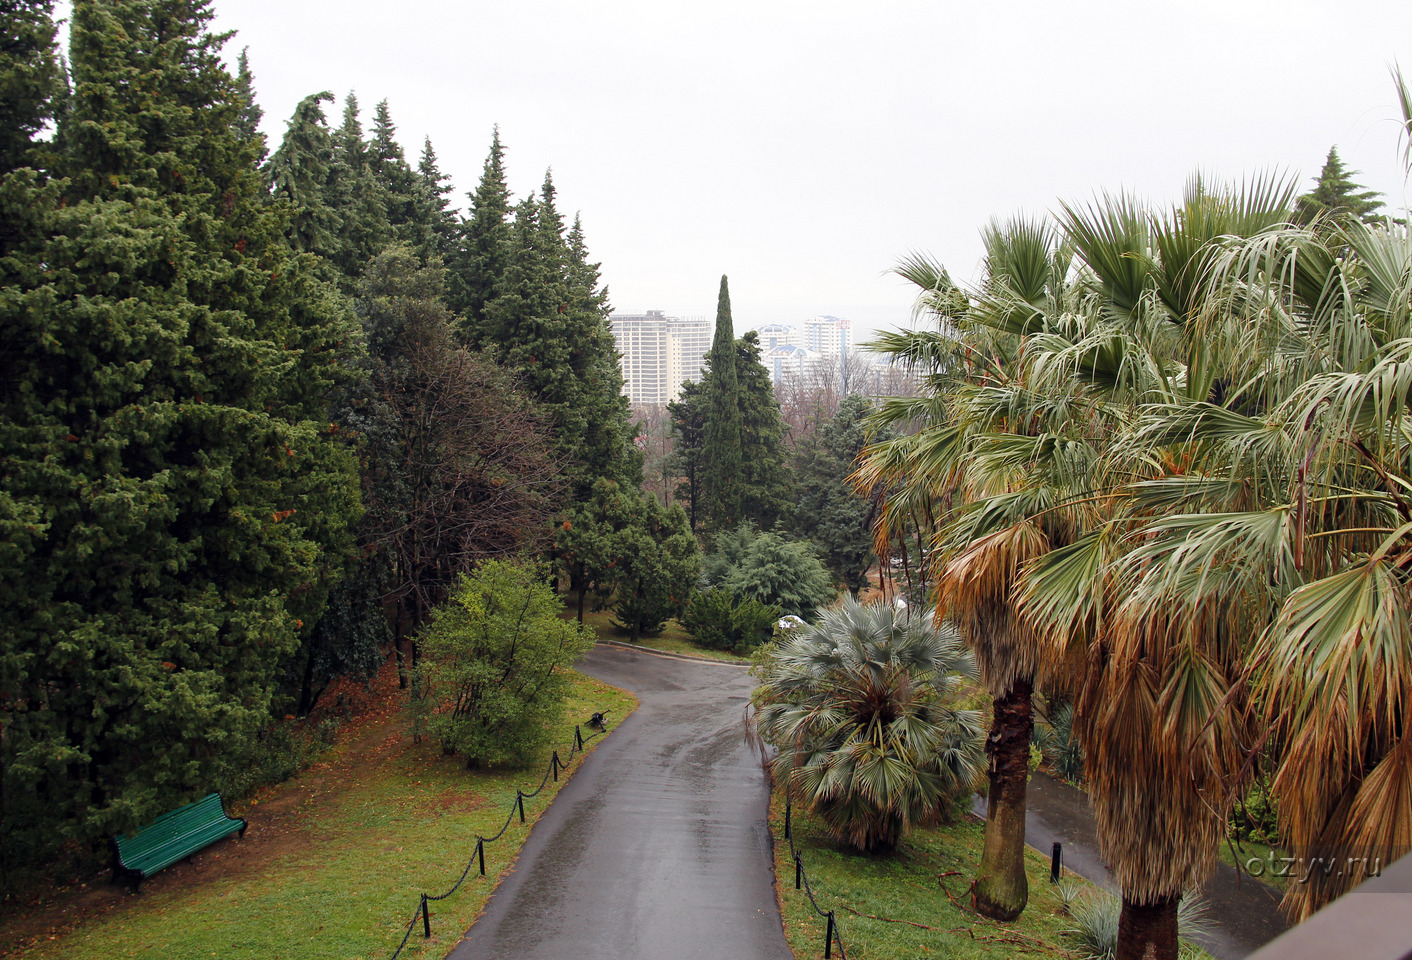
x=247, y=125
x=483, y=253
x=299, y=175
x=1335, y=194
x=357, y=197
x=172, y=495
x=433, y=189
x=395, y=179
x=721, y=447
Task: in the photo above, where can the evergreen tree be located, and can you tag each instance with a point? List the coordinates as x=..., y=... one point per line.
x=433, y=190
x=721, y=447
x=172, y=501
x=1335, y=194
x=483, y=253
x=357, y=197
x=247, y=125
x=655, y=563
x=30, y=78
x=827, y=509
x=395, y=179
x=764, y=481
x=688, y=413
x=299, y=174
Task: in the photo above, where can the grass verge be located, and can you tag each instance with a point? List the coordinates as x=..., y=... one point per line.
x=375, y=824
x=912, y=903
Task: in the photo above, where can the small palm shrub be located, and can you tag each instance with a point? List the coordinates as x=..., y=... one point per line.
x=1096, y=914
x=861, y=708
x=1054, y=735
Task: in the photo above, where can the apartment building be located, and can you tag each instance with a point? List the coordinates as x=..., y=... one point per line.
x=658, y=353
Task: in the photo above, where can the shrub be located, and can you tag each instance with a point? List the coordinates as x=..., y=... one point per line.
x=861, y=707
x=1096, y=916
x=490, y=683
x=771, y=569
x=721, y=619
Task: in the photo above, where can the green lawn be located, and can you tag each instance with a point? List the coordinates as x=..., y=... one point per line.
x=902, y=905
x=402, y=820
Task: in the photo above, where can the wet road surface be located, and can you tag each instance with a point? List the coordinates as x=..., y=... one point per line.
x=657, y=847
x=1242, y=913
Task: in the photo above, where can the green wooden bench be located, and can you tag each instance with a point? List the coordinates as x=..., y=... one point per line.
x=172, y=836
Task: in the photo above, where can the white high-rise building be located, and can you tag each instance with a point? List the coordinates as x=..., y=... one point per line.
x=827, y=335
x=659, y=353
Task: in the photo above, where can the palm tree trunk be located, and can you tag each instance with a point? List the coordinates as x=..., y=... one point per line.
x=1001, y=890
x=1148, y=931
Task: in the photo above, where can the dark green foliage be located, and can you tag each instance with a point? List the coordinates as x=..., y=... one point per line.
x=827, y=509
x=436, y=220
x=771, y=569
x=655, y=565
x=764, y=482
x=483, y=253
x=585, y=541
x=299, y=174
x=721, y=619
x=30, y=78
x=1256, y=817
x=491, y=682
x=348, y=640
x=247, y=123
x=1335, y=194
x=688, y=413
x=173, y=505
x=358, y=196
x=721, y=437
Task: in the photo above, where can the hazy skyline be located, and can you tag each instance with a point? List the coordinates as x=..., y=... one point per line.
x=802, y=148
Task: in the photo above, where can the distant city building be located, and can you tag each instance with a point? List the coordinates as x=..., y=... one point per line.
x=799, y=350
x=659, y=353
x=826, y=335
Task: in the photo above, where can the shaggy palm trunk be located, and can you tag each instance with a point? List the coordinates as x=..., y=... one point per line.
x=1001, y=890
x=1148, y=931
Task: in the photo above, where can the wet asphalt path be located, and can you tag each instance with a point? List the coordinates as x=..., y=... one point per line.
x=1243, y=913
x=657, y=847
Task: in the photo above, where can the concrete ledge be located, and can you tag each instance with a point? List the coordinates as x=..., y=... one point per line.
x=669, y=655
x=1371, y=922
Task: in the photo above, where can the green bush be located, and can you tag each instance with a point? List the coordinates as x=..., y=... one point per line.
x=721, y=619
x=771, y=569
x=490, y=684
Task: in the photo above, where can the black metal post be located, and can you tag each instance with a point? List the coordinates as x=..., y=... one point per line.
x=828, y=938
x=480, y=854
x=1056, y=861
x=578, y=737
x=554, y=764
x=426, y=918
x=520, y=802
x=798, y=872
x=786, y=819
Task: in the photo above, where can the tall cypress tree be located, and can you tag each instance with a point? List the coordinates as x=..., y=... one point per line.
x=764, y=481
x=172, y=500
x=721, y=450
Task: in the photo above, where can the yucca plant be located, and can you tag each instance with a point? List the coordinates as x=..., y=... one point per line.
x=860, y=706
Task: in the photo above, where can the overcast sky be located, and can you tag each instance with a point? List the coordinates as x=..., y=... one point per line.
x=802, y=148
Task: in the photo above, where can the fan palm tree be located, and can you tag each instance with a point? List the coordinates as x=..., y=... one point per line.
x=860, y=708
x=932, y=474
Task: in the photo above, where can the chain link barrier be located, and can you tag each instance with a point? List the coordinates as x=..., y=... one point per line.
x=832, y=934
x=556, y=766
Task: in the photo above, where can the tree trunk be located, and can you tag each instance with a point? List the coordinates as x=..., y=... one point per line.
x=1001, y=890
x=1148, y=931
x=306, y=685
x=399, y=636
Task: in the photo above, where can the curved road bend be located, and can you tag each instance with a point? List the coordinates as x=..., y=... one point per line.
x=658, y=846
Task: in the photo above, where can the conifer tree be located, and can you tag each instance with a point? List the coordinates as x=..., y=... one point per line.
x=172, y=498
x=433, y=189
x=1335, y=194
x=247, y=125
x=30, y=78
x=721, y=448
x=299, y=174
x=764, y=481
x=357, y=197
x=394, y=178
x=483, y=253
